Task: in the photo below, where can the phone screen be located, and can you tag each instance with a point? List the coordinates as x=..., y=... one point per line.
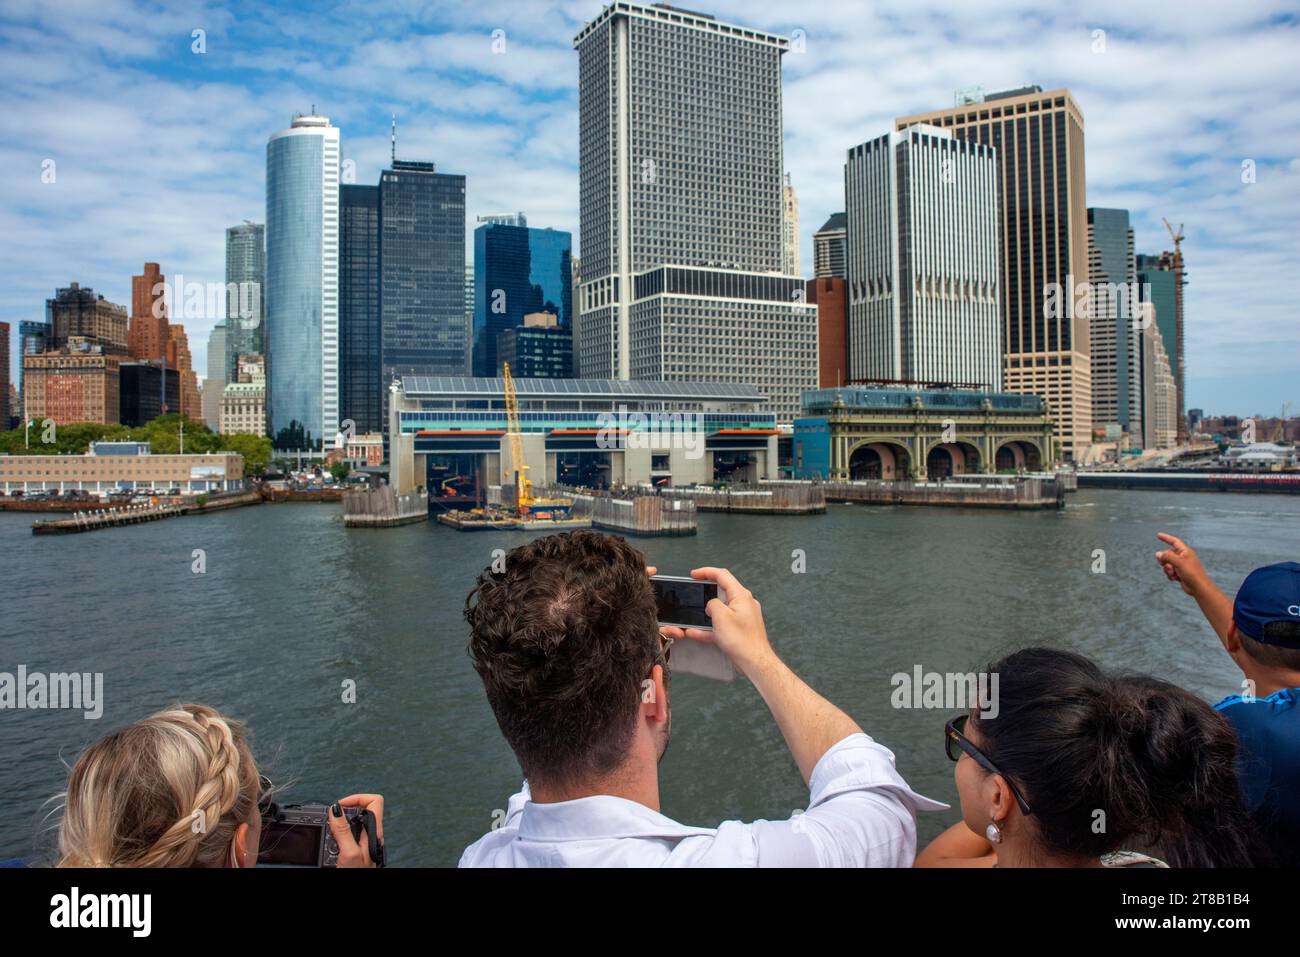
x=682, y=601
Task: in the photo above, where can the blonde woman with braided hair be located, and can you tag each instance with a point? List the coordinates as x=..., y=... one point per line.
x=177, y=789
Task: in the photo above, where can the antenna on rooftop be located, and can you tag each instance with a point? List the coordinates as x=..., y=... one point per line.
x=394, y=138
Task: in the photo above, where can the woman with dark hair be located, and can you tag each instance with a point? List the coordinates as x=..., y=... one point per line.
x=1081, y=768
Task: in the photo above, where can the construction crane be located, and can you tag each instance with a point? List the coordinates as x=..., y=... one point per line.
x=1281, y=424
x=1177, y=237
x=523, y=487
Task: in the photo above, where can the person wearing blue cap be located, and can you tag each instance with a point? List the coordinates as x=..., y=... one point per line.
x=1260, y=630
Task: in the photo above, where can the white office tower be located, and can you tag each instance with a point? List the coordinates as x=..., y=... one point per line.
x=789, y=229
x=682, y=207
x=215, y=382
x=1114, y=326
x=302, y=277
x=924, y=301
x=1159, y=386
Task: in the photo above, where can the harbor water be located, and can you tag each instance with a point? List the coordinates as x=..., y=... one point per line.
x=269, y=613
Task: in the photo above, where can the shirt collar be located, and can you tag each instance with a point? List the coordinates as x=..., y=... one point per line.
x=600, y=817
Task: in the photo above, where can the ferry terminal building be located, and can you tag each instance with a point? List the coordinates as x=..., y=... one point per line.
x=891, y=433
x=448, y=433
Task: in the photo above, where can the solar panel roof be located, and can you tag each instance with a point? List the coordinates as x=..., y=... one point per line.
x=466, y=385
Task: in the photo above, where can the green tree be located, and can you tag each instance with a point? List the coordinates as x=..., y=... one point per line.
x=340, y=471
x=162, y=433
x=256, y=450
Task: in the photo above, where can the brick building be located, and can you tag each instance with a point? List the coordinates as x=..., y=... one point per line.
x=830, y=295
x=148, y=336
x=76, y=383
x=179, y=358
x=80, y=313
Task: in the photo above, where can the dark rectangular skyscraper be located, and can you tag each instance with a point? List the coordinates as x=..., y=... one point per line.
x=517, y=271
x=146, y=391
x=1115, y=329
x=360, y=375
x=422, y=272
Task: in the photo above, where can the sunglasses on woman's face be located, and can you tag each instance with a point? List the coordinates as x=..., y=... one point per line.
x=955, y=742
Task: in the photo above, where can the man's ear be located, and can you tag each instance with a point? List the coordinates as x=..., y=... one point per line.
x=1233, y=642
x=654, y=697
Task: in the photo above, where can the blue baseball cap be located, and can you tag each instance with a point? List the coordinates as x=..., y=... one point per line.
x=1268, y=595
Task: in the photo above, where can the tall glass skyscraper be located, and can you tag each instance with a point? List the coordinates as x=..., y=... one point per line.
x=33, y=339
x=681, y=212
x=301, y=302
x=517, y=271
x=422, y=272
x=1114, y=322
x=245, y=293
x=360, y=377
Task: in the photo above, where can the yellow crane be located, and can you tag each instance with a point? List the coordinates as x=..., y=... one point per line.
x=523, y=487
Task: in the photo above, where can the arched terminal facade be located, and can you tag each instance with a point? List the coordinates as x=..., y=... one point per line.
x=895, y=434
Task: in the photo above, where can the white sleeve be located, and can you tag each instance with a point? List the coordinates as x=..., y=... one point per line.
x=861, y=813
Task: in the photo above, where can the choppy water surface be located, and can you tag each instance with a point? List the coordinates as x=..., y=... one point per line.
x=292, y=604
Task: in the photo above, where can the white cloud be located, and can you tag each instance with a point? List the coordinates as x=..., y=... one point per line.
x=159, y=150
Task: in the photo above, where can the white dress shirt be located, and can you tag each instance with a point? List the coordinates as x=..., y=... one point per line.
x=861, y=813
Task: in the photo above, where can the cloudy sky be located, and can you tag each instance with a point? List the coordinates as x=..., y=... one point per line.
x=157, y=148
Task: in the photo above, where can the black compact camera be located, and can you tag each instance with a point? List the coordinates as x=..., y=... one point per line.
x=298, y=835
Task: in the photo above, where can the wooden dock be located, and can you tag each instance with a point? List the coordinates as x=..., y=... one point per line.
x=91, y=520
x=383, y=508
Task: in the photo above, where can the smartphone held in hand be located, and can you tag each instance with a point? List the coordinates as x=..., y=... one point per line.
x=682, y=602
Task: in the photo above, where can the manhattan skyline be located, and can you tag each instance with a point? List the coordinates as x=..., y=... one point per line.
x=158, y=149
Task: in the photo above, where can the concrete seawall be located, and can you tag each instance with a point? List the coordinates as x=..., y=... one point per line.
x=383, y=508
x=770, y=498
x=645, y=515
x=1277, y=483
x=1034, y=493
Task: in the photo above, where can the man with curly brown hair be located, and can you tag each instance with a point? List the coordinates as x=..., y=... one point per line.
x=575, y=668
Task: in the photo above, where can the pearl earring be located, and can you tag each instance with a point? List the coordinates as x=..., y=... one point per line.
x=993, y=833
